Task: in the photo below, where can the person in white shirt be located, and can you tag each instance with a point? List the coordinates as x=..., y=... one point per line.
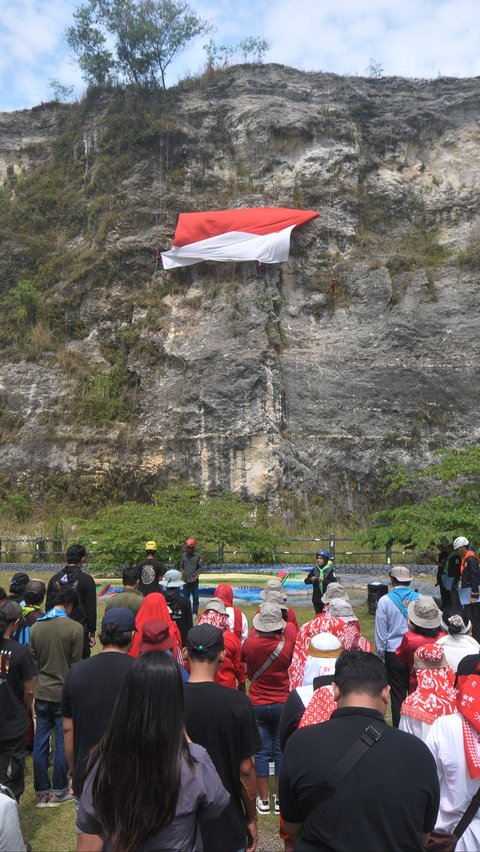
x=459, y=642
x=453, y=741
x=11, y=839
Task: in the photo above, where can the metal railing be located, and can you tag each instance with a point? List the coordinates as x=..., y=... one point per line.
x=27, y=550
x=342, y=550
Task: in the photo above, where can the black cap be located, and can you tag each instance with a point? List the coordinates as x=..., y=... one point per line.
x=20, y=579
x=205, y=637
x=469, y=665
x=11, y=610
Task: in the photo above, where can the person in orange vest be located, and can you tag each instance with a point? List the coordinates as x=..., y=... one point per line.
x=470, y=579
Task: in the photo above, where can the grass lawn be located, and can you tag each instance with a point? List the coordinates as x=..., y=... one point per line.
x=53, y=829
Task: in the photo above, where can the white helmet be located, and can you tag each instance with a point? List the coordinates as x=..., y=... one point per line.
x=461, y=541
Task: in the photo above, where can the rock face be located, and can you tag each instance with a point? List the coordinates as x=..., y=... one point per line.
x=303, y=379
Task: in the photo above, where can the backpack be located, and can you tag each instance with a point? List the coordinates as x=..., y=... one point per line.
x=62, y=583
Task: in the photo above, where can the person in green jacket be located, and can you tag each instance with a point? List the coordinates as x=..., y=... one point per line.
x=320, y=576
x=56, y=643
x=131, y=595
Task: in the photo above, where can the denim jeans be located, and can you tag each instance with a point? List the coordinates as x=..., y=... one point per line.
x=49, y=719
x=267, y=717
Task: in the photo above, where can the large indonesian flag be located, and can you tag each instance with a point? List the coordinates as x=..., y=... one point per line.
x=251, y=233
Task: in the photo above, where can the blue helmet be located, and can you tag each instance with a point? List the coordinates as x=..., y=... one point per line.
x=323, y=553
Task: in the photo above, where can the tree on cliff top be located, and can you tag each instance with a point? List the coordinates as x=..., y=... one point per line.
x=134, y=40
x=454, y=508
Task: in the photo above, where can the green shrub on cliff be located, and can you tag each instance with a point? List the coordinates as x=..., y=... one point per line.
x=117, y=533
x=454, y=510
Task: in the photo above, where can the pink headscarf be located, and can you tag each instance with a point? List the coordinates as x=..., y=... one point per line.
x=435, y=695
x=216, y=619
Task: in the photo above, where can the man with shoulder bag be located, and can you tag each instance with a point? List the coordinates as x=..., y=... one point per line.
x=354, y=782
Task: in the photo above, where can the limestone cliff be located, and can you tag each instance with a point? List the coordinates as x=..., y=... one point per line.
x=307, y=378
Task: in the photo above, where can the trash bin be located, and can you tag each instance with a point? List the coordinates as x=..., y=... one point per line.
x=375, y=591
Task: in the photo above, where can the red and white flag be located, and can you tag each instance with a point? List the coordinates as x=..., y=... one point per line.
x=251, y=233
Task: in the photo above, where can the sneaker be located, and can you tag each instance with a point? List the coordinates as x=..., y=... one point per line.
x=54, y=801
x=277, y=805
x=42, y=800
x=263, y=807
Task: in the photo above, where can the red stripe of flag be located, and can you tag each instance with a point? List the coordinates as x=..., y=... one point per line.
x=193, y=227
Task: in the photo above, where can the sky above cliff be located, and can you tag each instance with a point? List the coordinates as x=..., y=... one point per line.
x=411, y=38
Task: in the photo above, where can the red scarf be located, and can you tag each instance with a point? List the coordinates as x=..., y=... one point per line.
x=468, y=704
x=216, y=619
x=322, y=623
x=319, y=708
x=433, y=697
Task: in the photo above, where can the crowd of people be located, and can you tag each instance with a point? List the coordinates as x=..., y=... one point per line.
x=190, y=725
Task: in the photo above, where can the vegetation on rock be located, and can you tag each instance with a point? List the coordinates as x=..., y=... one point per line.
x=116, y=533
x=452, y=509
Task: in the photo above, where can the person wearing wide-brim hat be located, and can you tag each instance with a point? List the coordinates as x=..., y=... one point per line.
x=424, y=627
x=335, y=590
x=268, y=653
x=343, y=609
x=390, y=627
x=279, y=596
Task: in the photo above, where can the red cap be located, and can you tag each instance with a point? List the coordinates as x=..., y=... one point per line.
x=190, y=542
x=155, y=637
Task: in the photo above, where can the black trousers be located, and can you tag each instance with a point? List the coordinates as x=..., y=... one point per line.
x=472, y=611
x=397, y=675
x=12, y=764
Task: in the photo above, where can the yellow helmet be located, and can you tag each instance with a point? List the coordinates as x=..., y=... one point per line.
x=150, y=545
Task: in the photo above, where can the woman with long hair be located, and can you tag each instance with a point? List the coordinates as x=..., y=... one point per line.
x=154, y=608
x=147, y=784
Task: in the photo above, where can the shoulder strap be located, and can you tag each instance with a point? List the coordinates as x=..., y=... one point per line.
x=237, y=622
x=273, y=656
x=468, y=815
x=369, y=737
